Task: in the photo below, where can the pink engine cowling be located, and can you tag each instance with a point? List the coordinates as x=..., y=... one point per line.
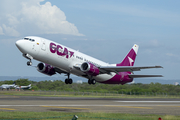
x=89, y=68
x=46, y=69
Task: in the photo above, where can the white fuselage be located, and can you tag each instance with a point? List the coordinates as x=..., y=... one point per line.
x=23, y=87
x=6, y=86
x=60, y=56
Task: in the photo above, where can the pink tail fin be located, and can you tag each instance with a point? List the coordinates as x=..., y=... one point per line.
x=130, y=58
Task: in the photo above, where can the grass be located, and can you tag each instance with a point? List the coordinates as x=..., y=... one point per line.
x=81, y=116
x=81, y=94
x=53, y=115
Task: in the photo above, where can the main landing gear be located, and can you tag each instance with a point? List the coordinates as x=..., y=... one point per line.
x=68, y=80
x=92, y=81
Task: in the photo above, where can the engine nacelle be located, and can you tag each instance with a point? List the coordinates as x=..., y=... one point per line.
x=89, y=68
x=46, y=69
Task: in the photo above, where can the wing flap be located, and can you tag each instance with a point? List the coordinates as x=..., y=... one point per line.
x=124, y=68
x=141, y=76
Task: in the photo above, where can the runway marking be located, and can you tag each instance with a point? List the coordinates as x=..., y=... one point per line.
x=167, y=106
x=129, y=107
x=66, y=107
x=7, y=109
x=149, y=101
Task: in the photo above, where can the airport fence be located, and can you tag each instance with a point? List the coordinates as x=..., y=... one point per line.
x=90, y=93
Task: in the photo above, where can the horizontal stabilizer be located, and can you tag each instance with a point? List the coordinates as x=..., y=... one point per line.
x=140, y=76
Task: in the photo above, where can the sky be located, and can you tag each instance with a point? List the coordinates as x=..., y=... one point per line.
x=103, y=29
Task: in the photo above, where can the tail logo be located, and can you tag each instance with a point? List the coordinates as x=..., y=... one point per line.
x=130, y=61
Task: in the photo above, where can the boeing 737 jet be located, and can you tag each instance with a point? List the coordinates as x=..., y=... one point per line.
x=56, y=58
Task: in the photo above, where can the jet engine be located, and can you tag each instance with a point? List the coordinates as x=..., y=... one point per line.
x=89, y=68
x=46, y=69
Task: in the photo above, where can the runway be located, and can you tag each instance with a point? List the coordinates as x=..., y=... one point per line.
x=73, y=104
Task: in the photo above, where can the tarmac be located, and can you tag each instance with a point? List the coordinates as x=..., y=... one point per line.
x=77, y=104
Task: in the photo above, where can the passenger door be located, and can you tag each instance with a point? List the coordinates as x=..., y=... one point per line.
x=43, y=46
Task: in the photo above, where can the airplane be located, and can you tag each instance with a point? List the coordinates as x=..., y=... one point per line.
x=56, y=58
x=23, y=87
x=6, y=86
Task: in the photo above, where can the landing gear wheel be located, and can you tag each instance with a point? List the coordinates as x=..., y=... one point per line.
x=70, y=81
x=89, y=81
x=93, y=81
x=66, y=81
x=29, y=63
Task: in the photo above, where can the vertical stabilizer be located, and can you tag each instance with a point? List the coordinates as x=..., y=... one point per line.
x=14, y=83
x=130, y=58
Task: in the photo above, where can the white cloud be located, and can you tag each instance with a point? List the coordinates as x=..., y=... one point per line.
x=30, y=17
x=10, y=31
x=12, y=20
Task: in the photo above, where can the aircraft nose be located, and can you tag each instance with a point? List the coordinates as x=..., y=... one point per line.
x=19, y=44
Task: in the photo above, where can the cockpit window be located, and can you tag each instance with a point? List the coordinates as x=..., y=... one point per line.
x=29, y=39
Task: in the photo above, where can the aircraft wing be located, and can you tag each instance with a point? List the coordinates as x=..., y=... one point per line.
x=116, y=69
x=59, y=70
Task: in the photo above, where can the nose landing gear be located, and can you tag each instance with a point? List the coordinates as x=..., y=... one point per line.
x=29, y=63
